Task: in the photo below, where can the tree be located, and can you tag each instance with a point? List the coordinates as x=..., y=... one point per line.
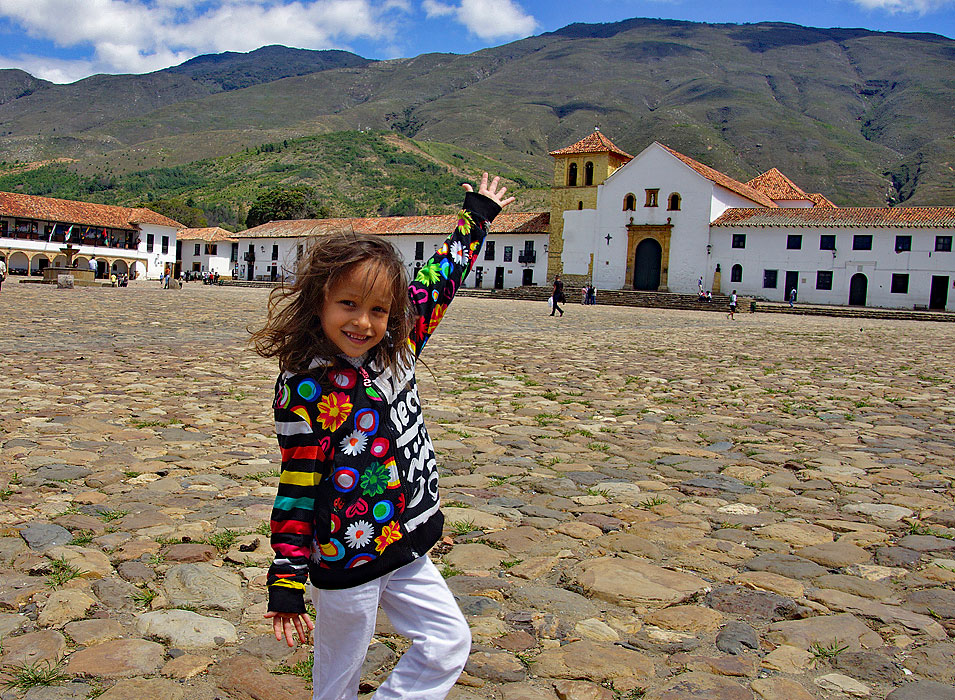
x=178, y=210
x=284, y=203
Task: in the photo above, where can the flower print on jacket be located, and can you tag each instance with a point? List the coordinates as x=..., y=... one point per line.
x=430, y=273
x=333, y=410
x=354, y=444
x=390, y=534
x=375, y=479
x=457, y=252
x=358, y=534
x=432, y=324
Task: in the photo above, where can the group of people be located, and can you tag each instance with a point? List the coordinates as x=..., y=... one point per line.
x=588, y=295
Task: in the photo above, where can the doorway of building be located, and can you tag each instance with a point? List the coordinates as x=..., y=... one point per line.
x=938, y=299
x=250, y=259
x=858, y=286
x=499, y=278
x=527, y=277
x=792, y=282
x=646, y=266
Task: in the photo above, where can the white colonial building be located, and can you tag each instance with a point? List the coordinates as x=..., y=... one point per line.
x=40, y=232
x=207, y=250
x=661, y=221
x=514, y=254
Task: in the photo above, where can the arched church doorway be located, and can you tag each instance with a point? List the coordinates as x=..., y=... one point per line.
x=646, y=265
x=857, y=289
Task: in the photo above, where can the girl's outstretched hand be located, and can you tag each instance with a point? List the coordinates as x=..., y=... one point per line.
x=492, y=191
x=288, y=624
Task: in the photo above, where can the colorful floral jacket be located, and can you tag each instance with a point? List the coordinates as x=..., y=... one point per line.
x=358, y=491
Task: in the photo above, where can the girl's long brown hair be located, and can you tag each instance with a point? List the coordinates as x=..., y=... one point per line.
x=293, y=329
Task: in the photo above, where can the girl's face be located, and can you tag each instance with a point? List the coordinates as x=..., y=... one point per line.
x=355, y=313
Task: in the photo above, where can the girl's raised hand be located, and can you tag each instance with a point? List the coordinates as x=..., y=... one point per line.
x=492, y=191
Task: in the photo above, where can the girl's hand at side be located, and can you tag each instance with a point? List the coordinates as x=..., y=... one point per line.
x=492, y=191
x=287, y=624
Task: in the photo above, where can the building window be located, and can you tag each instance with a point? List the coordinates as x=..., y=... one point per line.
x=674, y=201
x=903, y=244
x=652, y=197
x=770, y=278
x=198, y=245
x=275, y=251
x=165, y=245
x=739, y=240
x=943, y=244
x=419, y=250
x=736, y=274
x=488, y=250
x=149, y=242
x=572, y=175
x=212, y=248
x=862, y=242
x=588, y=173
x=508, y=253
x=629, y=203
x=900, y=284
x=298, y=251
x=824, y=279
x=794, y=241
x=827, y=241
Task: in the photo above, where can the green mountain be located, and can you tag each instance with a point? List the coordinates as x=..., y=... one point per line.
x=864, y=117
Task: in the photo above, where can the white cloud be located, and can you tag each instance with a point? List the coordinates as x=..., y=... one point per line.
x=433, y=8
x=486, y=19
x=144, y=35
x=919, y=7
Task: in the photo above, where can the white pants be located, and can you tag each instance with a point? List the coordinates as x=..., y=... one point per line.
x=419, y=606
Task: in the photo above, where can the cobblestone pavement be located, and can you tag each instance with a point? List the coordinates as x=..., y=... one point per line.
x=636, y=500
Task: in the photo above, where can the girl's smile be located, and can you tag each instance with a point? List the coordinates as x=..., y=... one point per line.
x=356, y=310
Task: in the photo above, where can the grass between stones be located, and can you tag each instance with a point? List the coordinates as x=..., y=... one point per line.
x=27, y=676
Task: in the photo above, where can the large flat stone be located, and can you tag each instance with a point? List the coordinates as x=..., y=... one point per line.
x=634, y=583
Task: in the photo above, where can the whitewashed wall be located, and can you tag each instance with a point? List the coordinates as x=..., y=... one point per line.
x=766, y=250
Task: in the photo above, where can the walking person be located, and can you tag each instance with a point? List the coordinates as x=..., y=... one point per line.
x=732, y=314
x=557, y=297
x=357, y=507
x=792, y=297
x=3, y=272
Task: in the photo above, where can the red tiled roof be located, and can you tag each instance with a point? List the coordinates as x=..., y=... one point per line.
x=722, y=180
x=517, y=222
x=596, y=142
x=211, y=234
x=820, y=200
x=777, y=186
x=842, y=217
x=66, y=211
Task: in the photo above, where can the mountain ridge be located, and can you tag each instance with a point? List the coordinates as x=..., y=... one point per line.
x=862, y=116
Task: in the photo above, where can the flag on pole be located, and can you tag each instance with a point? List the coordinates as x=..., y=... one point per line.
x=69, y=234
x=52, y=231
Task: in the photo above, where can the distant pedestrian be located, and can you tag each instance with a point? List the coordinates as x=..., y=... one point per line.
x=792, y=297
x=93, y=265
x=557, y=297
x=3, y=272
x=700, y=285
x=592, y=295
x=732, y=313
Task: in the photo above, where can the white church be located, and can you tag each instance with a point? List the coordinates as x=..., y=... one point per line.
x=661, y=221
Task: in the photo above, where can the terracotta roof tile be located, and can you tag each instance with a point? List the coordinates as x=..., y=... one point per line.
x=595, y=142
x=842, y=217
x=211, y=234
x=722, y=180
x=777, y=186
x=820, y=200
x=517, y=222
x=66, y=211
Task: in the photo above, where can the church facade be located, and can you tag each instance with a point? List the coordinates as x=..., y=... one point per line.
x=662, y=221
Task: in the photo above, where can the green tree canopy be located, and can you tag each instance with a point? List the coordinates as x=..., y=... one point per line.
x=283, y=203
x=185, y=213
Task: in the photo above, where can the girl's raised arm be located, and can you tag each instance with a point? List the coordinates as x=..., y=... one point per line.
x=436, y=283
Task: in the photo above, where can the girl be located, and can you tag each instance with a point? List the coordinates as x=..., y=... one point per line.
x=357, y=507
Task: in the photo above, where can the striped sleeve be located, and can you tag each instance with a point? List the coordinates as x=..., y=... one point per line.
x=305, y=449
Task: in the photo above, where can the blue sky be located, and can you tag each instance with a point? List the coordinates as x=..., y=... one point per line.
x=65, y=40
